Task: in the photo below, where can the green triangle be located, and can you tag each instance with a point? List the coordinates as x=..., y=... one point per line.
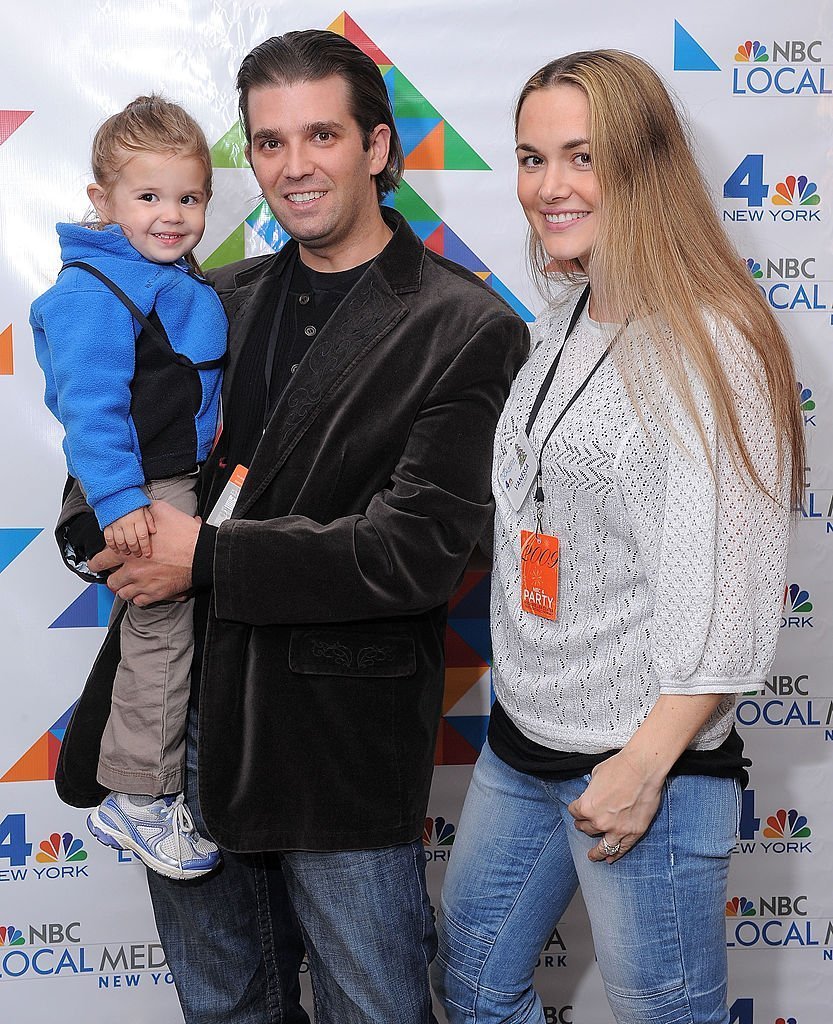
x=233, y=248
x=408, y=101
x=412, y=206
x=229, y=151
x=459, y=156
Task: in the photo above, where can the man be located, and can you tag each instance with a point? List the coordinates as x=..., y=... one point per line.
x=364, y=382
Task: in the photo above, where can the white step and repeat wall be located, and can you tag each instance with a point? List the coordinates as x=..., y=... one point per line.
x=77, y=939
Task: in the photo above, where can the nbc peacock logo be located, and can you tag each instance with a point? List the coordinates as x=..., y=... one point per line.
x=796, y=191
x=807, y=404
x=754, y=268
x=751, y=52
x=787, y=825
x=805, y=398
x=740, y=906
x=59, y=848
x=797, y=608
x=11, y=936
x=438, y=837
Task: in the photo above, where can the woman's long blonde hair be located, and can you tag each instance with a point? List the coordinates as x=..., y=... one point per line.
x=660, y=248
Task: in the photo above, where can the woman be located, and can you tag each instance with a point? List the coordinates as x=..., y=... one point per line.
x=644, y=470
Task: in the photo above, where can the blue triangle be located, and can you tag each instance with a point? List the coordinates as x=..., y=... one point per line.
x=12, y=542
x=262, y=221
x=689, y=55
x=90, y=608
x=472, y=728
x=412, y=130
x=477, y=635
x=475, y=604
x=59, y=729
x=513, y=301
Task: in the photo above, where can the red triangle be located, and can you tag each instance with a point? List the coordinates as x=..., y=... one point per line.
x=364, y=42
x=470, y=580
x=452, y=748
x=458, y=654
x=10, y=121
x=53, y=750
x=436, y=240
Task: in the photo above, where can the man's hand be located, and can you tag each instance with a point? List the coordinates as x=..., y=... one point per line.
x=167, y=573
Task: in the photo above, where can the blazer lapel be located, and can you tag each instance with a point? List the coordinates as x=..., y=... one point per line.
x=367, y=314
x=244, y=303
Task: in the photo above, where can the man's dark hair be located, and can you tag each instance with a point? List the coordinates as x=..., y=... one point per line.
x=310, y=56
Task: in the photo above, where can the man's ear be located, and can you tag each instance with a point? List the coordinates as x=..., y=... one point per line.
x=379, y=147
x=97, y=196
x=247, y=152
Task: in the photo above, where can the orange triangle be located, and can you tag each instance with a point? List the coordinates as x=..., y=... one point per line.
x=337, y=25
x=364, y=42
x=429, y=155
x=33, y=766
x=458, y=682
x=6, y=352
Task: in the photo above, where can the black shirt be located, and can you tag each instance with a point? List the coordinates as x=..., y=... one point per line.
x=524, y=755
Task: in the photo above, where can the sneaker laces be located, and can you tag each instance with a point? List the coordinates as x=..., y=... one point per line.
x=181, y=821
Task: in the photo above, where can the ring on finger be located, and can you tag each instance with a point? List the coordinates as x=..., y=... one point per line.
x=610, y=849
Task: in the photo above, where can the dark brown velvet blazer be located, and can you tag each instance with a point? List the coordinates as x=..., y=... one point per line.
x=323, y=665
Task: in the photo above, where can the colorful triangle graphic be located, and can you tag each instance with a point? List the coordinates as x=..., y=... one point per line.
x=345, y=26
x=689, y=55
x=39, y=761
x=6, y=352
x=12, y=542
x=230, y=250
x=10, y=121
x=439, y=237
x=91, y=608
x=468, y=654
x=416, y=118
x=230, y=150
x=425, y=222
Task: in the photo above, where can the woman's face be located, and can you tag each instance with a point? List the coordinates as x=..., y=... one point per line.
x=557, y=186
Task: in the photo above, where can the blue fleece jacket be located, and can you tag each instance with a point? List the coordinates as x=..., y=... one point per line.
x=85, y=342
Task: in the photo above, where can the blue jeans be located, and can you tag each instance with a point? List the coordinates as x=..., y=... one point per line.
x=657, y=914
x=235, y=939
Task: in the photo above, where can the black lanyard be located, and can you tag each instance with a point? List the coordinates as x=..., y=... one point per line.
x=277, y=322
x=547, y=384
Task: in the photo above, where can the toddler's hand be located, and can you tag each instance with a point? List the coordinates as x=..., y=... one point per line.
x=130, y=534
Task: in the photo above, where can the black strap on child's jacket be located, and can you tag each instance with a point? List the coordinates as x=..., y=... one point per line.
x=139, y=316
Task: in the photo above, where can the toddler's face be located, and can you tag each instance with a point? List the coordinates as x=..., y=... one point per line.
x=159, y=200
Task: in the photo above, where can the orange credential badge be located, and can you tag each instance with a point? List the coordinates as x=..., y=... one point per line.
x=539, y=574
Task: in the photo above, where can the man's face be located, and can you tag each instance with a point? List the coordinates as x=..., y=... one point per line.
x=309, y=160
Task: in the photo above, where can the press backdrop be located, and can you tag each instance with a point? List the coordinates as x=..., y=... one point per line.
x=77, y=940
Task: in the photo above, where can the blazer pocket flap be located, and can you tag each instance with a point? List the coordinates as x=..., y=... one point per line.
x=349, y=653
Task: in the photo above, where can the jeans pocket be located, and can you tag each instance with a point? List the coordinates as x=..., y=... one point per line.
x=738, y=807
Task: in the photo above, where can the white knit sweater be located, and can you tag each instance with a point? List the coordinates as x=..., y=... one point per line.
x=671, y=577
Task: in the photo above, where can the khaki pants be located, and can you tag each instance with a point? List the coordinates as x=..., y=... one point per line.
x=143, y=746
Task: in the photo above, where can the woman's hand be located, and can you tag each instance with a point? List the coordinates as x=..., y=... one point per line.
x=619, y=804
x=623, y=795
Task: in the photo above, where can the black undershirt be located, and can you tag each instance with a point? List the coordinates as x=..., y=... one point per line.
x=312, y=299
x=524, y=755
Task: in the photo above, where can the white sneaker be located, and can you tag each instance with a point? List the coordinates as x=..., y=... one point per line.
x=161, y=834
